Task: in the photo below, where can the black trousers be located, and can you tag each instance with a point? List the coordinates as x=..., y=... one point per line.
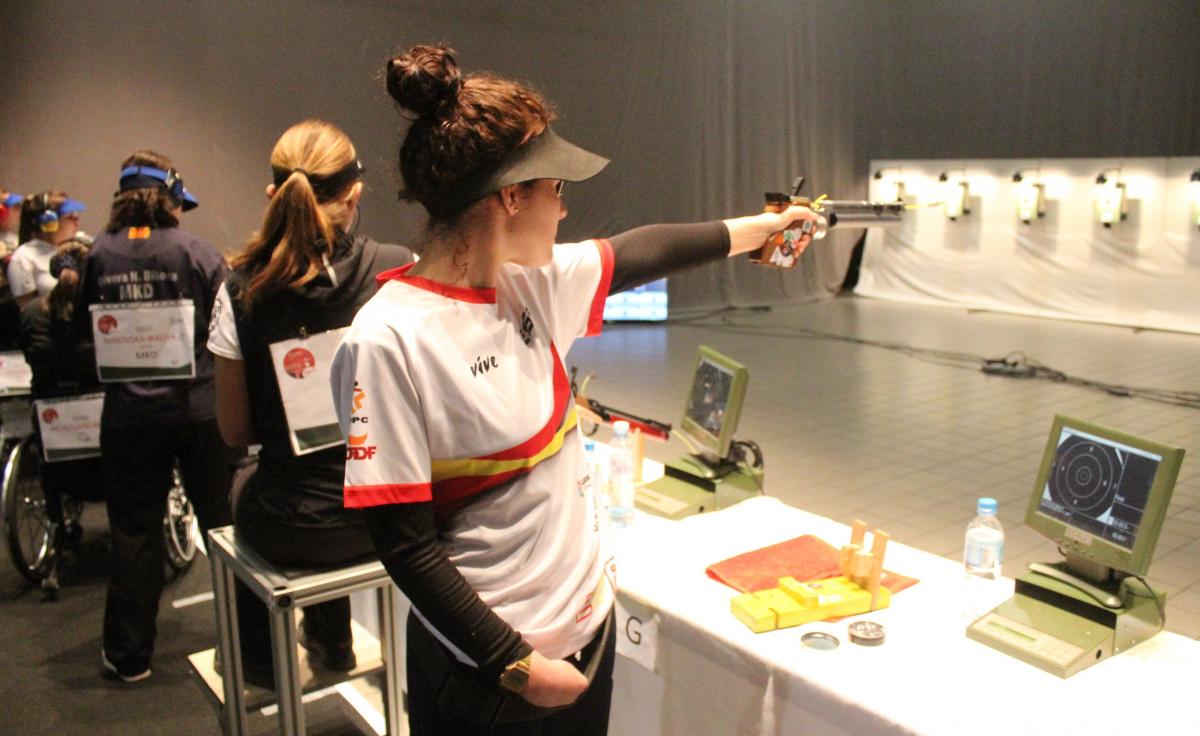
x=137, y=467
x=433, y=710
x=304, y=548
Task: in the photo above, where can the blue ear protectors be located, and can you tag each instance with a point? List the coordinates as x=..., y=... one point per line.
x=144, y=177
x=47, y=218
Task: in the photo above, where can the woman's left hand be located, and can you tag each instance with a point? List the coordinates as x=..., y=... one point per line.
x=749, y=233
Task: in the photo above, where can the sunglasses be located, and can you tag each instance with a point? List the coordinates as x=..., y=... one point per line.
x=559, y=186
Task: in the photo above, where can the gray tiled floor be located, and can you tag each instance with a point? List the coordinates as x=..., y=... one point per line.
x=907, y=444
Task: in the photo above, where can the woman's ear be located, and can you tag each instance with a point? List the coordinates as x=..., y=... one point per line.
x=510, y=198
x=354, y=197
x=270, y=191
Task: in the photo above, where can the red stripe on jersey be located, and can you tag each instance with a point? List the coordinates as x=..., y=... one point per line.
x=460, y=293
x=458, y=490
x=596, y=316
x=536, y=443
x=357, y=497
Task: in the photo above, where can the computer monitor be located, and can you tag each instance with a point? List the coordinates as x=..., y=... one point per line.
x=714, y=404
x=1101, y=495
x=646, y=303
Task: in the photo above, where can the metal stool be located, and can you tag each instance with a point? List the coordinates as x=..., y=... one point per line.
x=284, y=595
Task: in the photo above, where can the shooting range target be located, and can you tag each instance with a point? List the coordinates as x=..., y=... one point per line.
x=1085, y=476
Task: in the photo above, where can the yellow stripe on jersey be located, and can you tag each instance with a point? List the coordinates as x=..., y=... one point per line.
x=446, y=469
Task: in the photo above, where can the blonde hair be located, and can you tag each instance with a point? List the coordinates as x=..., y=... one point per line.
x=298, y=230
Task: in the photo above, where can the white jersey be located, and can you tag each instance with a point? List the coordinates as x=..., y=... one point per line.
x=29, y=268
x=460, y=397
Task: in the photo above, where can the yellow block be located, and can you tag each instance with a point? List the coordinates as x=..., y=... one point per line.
x=788, y=611
x=794, y=603
x=753, y=612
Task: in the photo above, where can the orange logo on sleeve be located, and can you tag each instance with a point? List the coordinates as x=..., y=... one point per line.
x=356, y=443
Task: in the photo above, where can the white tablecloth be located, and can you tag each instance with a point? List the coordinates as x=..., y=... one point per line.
x=714, y=676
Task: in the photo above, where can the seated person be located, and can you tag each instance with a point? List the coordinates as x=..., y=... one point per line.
x=298, y=282
x=63, y=365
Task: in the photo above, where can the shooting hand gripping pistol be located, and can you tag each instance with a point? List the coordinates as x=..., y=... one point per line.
x=783, y=249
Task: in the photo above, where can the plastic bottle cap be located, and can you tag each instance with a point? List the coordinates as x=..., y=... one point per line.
x=986, y=506
x=620, y=428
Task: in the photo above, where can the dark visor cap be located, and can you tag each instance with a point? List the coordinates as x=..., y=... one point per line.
x=545, y=157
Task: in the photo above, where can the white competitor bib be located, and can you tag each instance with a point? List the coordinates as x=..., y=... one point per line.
x=70, y=426
x=15, y=373
x=302, y=372
x=145, y=341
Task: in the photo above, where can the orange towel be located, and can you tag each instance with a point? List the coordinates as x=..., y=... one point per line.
x=804, y=558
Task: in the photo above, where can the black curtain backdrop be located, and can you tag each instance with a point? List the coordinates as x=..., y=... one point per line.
x=702, y=105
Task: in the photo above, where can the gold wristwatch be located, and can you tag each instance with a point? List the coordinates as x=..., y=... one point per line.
x=515, y=676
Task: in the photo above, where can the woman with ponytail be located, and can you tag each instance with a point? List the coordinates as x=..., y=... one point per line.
x=472, y=473
x=277, y=320
x=145, y=298
x=63, y=366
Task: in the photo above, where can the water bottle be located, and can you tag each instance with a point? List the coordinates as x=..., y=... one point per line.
x=597, y=475
x=984, y=549
x=983, y=587
x=620, y=475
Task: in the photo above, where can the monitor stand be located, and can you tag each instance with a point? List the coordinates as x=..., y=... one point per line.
x=1062, y=621
x=695, y=483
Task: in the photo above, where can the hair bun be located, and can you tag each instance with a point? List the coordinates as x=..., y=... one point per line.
x=424, y=79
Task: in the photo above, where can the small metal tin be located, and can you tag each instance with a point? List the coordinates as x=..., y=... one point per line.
x=866, y=633
x=819, y=640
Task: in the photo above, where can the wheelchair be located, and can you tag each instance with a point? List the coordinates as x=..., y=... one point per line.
x=35, y=544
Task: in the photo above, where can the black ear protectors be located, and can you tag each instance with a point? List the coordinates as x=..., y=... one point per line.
x=173, y=183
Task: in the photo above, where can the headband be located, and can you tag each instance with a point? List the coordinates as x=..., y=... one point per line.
x=325, y=187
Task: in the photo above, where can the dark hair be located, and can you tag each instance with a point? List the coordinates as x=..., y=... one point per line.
x=298, y=231
x=28, y=229
x=60, y=302
x=460, y=124
x=149, y=207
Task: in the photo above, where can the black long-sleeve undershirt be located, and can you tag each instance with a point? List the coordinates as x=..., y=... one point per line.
x=651, y=252
x=405, y=535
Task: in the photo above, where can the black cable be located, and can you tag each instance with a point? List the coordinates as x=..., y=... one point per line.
x=1014, y=365
x=1162, y=611
x=750, y=446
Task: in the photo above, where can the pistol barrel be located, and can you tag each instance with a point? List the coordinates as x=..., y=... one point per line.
x=849, y=213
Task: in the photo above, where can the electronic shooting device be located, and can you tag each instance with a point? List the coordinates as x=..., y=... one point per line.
x=719, y=470
x=1101, y=495
x=781, y=251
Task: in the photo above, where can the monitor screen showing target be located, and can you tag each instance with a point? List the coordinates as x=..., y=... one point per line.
x=1102, y=494
x=1099, y=486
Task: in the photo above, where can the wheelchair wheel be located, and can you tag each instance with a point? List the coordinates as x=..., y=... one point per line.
x=181, y=529
x=27, y=525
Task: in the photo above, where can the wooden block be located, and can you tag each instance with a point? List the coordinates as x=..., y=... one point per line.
x=861, y=565
x=846, y=561
x=878, y=549
x=858, y=532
